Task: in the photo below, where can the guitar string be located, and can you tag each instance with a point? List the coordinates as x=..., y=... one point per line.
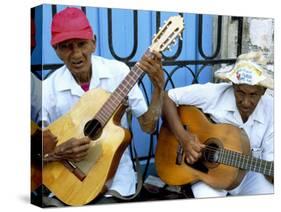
x=221, y=150
x=136, y=72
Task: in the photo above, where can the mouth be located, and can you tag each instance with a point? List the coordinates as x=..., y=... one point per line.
x=77, y=64
x=245, y=110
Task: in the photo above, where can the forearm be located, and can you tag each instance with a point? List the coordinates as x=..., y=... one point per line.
x=148, y=120
x=171, y=117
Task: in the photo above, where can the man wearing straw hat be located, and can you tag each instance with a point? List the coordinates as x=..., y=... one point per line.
x=241, y=101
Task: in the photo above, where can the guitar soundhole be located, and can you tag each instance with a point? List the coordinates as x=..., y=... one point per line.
x=93, y=129
x=211, y=152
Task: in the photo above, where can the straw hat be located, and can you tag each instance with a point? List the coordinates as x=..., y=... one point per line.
x=250, y=68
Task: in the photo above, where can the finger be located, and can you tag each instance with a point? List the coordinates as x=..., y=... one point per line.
x=83, y=141
x=190, y=159
x=197, y=147
x=156, y=55
x=194, y=154
x=76, y=150
x=76, y=157
x=82, y=148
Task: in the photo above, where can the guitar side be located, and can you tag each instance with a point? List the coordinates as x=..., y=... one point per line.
x=103, y=157
x=218, y=175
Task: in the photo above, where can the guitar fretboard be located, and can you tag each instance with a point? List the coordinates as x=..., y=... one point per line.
x=119, y=95
x=246, y=162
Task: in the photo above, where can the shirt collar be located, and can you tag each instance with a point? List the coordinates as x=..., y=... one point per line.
x=259, y=114
x=99, y=71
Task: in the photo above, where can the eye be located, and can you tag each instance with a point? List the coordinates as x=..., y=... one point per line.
x=63, y=46
x=254, y=95
x=239, y=92
x=81, y=43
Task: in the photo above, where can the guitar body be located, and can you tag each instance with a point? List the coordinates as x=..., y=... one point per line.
x=218, y=176
x=36, y=166
x=103, y=157
x=78, y=186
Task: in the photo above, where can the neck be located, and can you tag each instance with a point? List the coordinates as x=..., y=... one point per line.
x=244, y=118
x=82, y=77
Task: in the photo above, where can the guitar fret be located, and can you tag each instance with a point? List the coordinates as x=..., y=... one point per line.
x=270, y=169
x=247, y=162
x=114, y=101
x=254, y=164
x=131, y=78
x=123, y=93
x=109, y=109
x=226, y=157
x=243, y=162
x=138, y=72
x=238, y=160
x=260, y=165
x=102, y=114
x=220, y=155
x=100, y=118
x=235, y=159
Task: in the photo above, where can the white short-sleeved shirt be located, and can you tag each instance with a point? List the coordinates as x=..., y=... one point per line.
x=61, y=92
x=36, y=96
x=218, y=100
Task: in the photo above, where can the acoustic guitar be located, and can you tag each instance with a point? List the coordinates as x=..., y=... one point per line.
x=224, y=162
x=36, y=163
x=97, y=115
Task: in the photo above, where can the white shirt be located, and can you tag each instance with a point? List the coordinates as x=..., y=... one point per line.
x=36, y=96
x=61, y=92
x=218, y=100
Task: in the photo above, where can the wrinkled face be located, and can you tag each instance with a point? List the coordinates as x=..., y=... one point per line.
x=76, y=54
x=247, y=98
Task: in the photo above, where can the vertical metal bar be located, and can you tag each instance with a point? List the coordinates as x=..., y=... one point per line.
x=54, y=10
x=110, y=35
x=84, y=10
x=200, y=38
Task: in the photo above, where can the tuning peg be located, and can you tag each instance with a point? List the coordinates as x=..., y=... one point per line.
x=180, y=36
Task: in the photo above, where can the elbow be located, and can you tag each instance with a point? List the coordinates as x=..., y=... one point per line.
x=149, y=129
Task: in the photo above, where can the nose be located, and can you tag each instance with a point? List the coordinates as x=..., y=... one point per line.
x=246, y=102
x=76, y=51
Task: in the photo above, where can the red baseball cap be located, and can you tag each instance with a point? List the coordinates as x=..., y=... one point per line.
x=70, y=23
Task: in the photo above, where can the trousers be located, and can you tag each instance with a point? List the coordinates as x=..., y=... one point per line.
x=252, y=184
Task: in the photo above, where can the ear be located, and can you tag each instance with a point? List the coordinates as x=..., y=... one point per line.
x=57, y=52
x=94, y=43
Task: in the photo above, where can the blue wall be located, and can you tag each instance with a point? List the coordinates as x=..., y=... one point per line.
x=123, y=39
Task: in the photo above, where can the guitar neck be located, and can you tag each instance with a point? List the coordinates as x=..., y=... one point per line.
x=119, y=95
x=245, y=162
x=162, y=41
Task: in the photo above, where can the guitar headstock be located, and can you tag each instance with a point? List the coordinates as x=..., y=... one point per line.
x=168, y=34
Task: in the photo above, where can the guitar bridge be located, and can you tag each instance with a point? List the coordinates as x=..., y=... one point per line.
x=179, y=158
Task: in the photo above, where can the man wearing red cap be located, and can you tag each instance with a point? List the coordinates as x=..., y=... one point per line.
x=74, y=43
